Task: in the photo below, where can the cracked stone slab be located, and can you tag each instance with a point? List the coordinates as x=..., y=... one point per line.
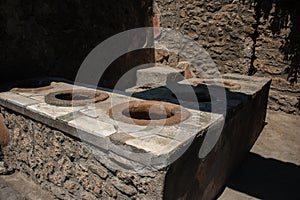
x=202, y=120
x=17, y=99
x=154, y=144
x=93, y=126
x=132, y=153
x=40, y=99
x=179, y=133
x=52, y=112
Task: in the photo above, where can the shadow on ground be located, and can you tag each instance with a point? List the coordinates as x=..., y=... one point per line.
x=267, y=178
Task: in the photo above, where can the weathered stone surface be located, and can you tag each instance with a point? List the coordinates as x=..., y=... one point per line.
x=57, y=178
x=91, y=125
x=111, y=191
x=87, y=196
x=241, y=37
x=71, y=186
x=17, y=99
x=99, y=170
x=66, y=167
x=53, y=112
x=158, y=74
x=154, y=144
x=124, y=188
x=120, y=138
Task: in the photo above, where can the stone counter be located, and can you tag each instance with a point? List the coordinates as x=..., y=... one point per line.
x=80, y=152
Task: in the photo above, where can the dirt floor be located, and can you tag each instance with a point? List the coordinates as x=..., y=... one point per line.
x=271, y=171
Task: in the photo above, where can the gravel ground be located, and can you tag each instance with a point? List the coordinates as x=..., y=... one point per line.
x=272, y=169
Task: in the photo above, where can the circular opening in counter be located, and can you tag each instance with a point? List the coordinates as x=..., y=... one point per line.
x=68, y=98
x=149, y=113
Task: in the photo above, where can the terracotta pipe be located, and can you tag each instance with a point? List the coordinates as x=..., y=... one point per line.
x=4, y=133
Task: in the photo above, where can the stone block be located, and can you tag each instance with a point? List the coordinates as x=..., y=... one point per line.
x=126, y=189
x=160, y=75
x=98, y=170
x=93, y=126
x=154, y=144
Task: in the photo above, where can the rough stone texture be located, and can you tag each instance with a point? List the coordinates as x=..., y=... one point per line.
x=158, y=74
x=222, y=28
x=67, y=168
x=276, y=52
x=241, y=37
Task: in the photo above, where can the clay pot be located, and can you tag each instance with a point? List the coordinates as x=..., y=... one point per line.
x=149, y=113
x=4, y=133
x=75, y=97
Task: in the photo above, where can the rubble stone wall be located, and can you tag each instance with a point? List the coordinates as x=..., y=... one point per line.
x=245, y=37
x=67, y=168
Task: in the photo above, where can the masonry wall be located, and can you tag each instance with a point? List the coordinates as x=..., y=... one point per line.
x=277, y=51
x=246, y=37
x=67, y=168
